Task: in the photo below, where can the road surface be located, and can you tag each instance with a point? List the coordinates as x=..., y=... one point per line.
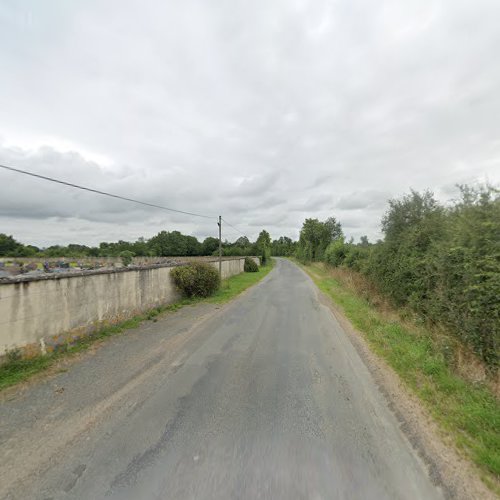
x=265, y=398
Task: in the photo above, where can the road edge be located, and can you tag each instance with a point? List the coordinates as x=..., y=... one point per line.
x=458, y=477
x=67, y=359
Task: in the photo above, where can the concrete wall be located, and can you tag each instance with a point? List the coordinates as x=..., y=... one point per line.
x=50, y=311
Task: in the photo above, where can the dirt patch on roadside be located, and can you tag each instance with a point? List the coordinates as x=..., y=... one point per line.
x=458, y=477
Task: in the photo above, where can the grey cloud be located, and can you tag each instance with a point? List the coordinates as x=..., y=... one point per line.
x=364, y=200
x=256, y=185
x=265, y=112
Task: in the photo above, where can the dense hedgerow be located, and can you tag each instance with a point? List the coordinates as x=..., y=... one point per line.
x=441, y=261
x=444, y=263
x=250, y=265
x=196, y=279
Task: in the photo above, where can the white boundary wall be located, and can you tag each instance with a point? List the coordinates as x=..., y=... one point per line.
x=48, y=312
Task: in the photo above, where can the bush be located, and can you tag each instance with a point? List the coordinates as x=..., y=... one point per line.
x=335, y=252
x=444, y=263
x=250, y=265
x=196, y=279
x=357, y=257
x=127, y=257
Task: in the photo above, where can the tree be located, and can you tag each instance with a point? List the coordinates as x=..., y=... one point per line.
x=283, y=246
x=9, y=246
x=314, y=238
x=209, y=245
x=193, y=246
x=334, y=228
x=263, y=244
x=140, y=247
x=263, y=241
x=169, y=244
x=407, y=212
x=242, y=242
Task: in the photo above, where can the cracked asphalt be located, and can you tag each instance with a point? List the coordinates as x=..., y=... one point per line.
x=264, y=398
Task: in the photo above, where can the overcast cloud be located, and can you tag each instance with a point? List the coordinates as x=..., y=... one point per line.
x=264, y=111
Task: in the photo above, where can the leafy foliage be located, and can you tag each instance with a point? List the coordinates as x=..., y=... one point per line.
x=196, y=279
x=283, y=247
x=174, y=243
x=127, y=257
x=442, y=262
x=250, y=265
x=263, y=245
x=164, y=244
x=10, y=247
x=336, y=252
x=263, y=240
x=315, y=237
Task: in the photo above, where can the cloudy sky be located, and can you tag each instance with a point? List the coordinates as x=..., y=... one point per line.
x=266, y=111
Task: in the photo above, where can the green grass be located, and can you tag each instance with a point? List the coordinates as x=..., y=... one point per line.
x=16, y=369
x=468, y=412
x=235, y=285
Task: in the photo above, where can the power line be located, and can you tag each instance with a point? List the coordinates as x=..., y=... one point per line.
x=32, y=174
x=234, y=227
x=229, y=235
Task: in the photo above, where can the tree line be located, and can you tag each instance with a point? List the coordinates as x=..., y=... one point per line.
x=164, y=244
x=441, y=261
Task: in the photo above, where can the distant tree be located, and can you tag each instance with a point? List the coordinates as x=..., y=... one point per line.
x=209, y=245
x=334, y=228
x=263, y=240
x=169, y=244
x=55, y=251
x=193, y=246
x=140, y=247
x=242, y=242
x=75, y=250
x=314, y=238
x=94, y=252
x=263, y=245
x=283, y=246
x=9, y=246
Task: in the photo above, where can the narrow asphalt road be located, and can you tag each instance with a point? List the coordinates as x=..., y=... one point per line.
x=264, y=398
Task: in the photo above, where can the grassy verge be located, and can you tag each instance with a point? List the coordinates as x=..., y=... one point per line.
x=468, y=412
x=16, y=369
x=235, y=285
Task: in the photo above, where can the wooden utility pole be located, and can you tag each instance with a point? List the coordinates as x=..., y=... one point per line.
x=220, y=246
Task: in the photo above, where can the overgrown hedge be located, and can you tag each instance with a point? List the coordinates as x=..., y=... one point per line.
x=196, y=279
x=441, y=261
x=250, y=265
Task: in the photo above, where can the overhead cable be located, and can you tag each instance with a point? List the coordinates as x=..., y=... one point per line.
x=32, y=174
x=233, y=227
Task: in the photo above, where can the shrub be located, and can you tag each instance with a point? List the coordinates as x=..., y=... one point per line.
x=335, y=252
x=357, y=257
x=196, y=279
x=127, y=257
x=443, y=262
x=250, y=265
